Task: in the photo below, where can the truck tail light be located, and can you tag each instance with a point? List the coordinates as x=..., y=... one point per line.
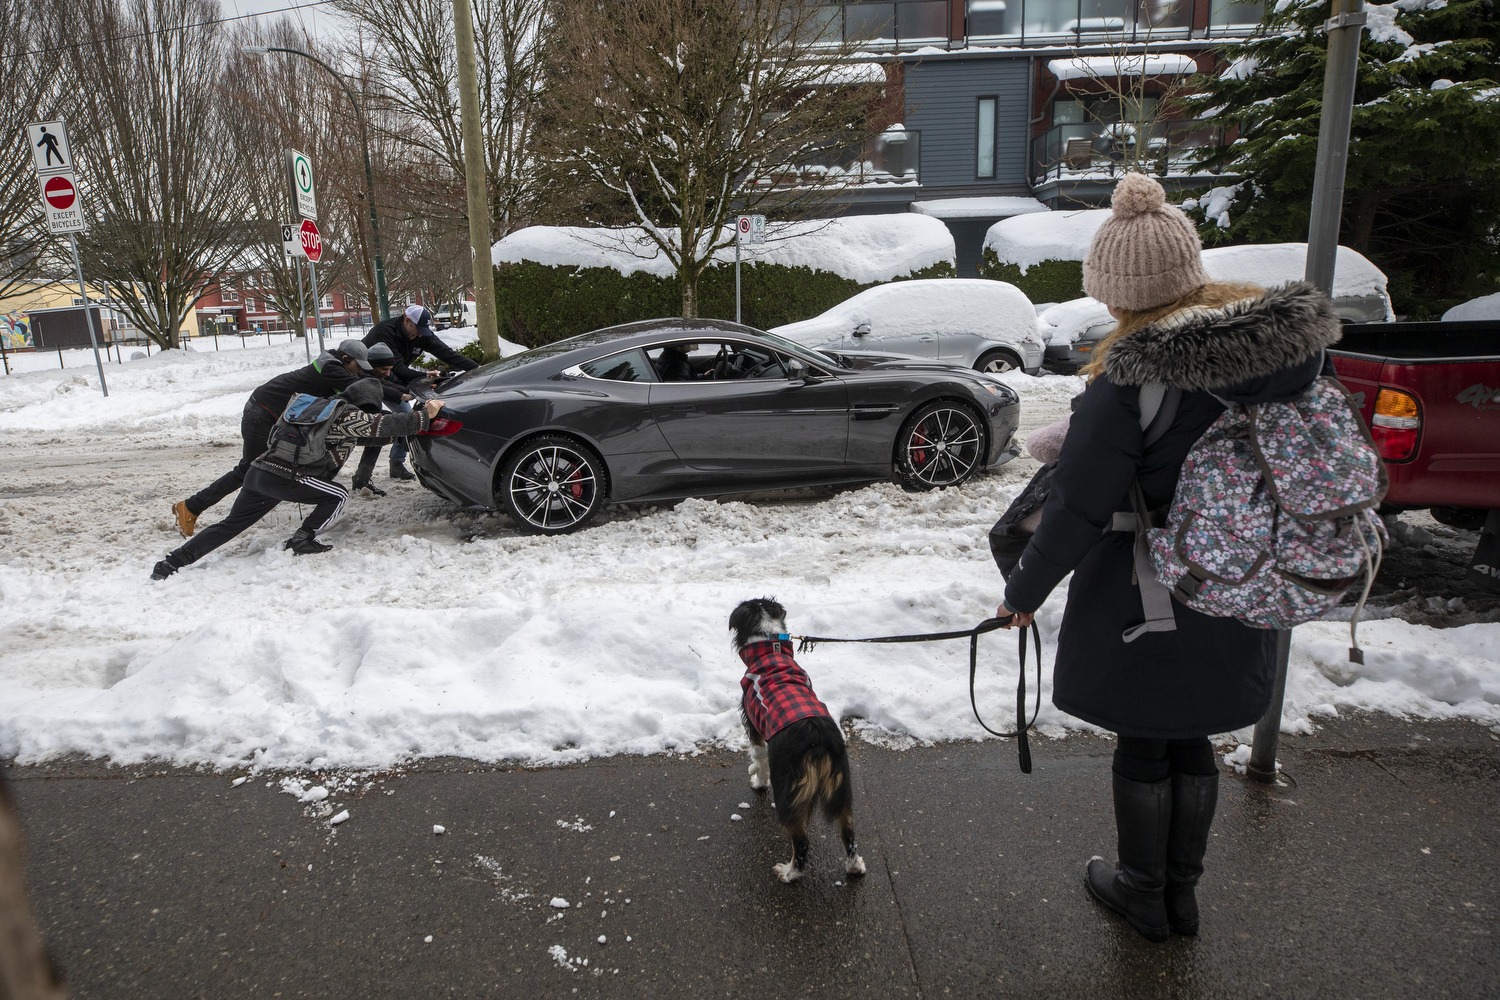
x=1396, y=425
x=442, y=427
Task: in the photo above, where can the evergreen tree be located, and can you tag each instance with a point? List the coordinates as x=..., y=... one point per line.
x=1422, y=189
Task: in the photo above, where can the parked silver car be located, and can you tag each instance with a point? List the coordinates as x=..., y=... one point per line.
x=986, y=325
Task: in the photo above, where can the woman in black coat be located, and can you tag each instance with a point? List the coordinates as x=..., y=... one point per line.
x=1163, y=692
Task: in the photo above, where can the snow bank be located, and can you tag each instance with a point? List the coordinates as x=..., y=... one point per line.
x=1027, y=240
x=1272, y=264
x=1109, y=67
x=1484, y=307
x=978, y=208
x=863, y=248
x=931, y=305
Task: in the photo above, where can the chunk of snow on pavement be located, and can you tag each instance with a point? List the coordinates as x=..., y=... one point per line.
x=744, y=805
x=577, y=826
x=1486, y=307
x=237, y=782
x=428, y=939
x=601, y=938
x=341, y=817
x=735, y=817
x=439, y=829
x=1238, y=758
x=863, y=248
x=559, y=955
x=559, y=902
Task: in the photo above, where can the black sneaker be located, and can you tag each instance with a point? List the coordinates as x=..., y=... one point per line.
x=399, y=471
x=365, y=484
x=305, y=545
x=162, y=570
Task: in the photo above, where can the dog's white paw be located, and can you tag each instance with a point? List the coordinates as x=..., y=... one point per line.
x=788, y=871
x=758, y=779
x=854, y=865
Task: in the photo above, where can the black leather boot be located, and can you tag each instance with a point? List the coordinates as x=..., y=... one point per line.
x=1143, y=814
x=1194, y=798
x=399, y=471
x=303, y=544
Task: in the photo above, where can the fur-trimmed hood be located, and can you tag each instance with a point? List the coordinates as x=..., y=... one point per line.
x=1201, y=348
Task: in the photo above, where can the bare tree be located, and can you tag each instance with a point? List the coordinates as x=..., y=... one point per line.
x=692, y=111
x=409, y=44
x=162, y=184
x=25, y=96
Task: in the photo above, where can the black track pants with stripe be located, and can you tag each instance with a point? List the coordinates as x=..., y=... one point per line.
x=258, y=497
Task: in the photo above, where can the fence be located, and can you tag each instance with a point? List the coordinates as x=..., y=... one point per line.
x=1095, y=149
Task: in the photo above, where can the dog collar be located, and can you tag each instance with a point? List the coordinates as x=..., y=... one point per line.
x=778, y=636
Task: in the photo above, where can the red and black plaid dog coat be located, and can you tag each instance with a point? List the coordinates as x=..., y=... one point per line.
x=777, y=692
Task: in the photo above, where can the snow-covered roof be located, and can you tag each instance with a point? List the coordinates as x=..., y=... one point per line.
x=977, y=208
x=1484, y=307
x=1026, y=240
x=863, y=248
x=932, y=305
x=1108, y=67
x=1271, y=264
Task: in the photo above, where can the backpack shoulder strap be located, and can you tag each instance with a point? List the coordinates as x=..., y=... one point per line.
x=1159, y=404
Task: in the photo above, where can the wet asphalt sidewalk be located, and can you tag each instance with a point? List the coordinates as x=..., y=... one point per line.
x=1373, y=872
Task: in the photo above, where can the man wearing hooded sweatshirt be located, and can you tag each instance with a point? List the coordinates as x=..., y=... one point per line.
x=410, y=335
x=333, y=372
x=271, y=480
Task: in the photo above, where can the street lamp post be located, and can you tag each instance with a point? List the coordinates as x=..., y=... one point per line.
x=359, y=114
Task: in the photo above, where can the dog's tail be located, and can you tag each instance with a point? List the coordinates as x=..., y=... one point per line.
x=824, y=777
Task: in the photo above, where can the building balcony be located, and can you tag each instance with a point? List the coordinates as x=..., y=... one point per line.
x=893, y=158
x=1103, y=151
x=908, y=24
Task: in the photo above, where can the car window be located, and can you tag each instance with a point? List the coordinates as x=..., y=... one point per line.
x=630, y=366
x=716, y=360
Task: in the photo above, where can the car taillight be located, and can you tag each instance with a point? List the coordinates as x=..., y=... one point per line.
x=1396, y=425
x=441, y=427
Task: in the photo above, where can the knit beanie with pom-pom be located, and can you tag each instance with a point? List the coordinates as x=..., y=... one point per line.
x=1147, y=252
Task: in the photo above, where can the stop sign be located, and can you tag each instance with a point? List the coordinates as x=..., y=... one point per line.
x=312, y=240
x=60, y=192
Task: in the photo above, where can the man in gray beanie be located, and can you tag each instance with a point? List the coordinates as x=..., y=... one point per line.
x=306, y=475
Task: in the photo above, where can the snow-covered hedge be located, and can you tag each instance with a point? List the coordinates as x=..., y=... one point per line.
x=553, y=282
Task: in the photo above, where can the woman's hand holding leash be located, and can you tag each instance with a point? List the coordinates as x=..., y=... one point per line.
x=1018, y=619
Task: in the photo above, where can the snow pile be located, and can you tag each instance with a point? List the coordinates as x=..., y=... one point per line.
x=1272, y=264
x=1065, y=323
x=978, y=208
x=1109, y=67
x=999, y=310
x=1482, y=308
x=1027, y=240
x=863, y=248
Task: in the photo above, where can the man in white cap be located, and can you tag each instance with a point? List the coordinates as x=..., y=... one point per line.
x=332, y=373
x=408, y=335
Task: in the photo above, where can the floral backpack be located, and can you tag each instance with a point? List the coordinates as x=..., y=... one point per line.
x=1273, y=520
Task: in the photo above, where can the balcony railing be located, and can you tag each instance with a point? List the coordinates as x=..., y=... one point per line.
x=893, y=157
x=1103, y=150
x=1030, y=22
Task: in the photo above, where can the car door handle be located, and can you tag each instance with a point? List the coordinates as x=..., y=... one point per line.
x=927, y=339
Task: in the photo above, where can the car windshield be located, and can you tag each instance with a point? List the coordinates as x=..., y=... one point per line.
x=797, y=350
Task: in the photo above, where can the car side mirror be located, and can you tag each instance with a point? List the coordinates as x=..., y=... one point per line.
x=863, y=330
x=796, y=370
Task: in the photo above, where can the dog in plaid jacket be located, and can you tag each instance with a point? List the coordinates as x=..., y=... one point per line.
x=795, y=745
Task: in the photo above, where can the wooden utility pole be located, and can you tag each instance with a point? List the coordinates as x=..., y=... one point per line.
x=479, y=201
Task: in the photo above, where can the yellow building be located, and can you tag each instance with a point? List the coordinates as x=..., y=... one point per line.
x=43, y=293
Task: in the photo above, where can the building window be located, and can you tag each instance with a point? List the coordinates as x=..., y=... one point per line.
x=986, y=138
x=230, y=295
x=1067, y=113
x=328, y=302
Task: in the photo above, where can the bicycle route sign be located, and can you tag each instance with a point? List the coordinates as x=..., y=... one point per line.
x=53, y=158
x=300, y=173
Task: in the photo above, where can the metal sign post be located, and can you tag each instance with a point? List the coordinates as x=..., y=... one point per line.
x=291, y=245
x=53, y=157
x=747, y=229
x=312, y=275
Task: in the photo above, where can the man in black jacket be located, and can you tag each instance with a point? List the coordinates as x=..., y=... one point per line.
x=332, y=373
x=408, y=336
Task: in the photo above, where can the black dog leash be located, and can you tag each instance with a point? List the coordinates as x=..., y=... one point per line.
x=988, y=625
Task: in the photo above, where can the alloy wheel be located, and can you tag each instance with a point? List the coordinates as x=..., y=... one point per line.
x=552, y=487
x=943, y=446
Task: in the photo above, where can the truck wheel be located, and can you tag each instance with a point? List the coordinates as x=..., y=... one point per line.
x=1467, y=518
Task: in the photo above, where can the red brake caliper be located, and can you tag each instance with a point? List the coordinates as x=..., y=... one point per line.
x=918, y=438
x=575, y=482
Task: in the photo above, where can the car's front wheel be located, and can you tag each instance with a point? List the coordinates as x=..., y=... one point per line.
x=998, y=362
x=551, y=485
x=943, y=444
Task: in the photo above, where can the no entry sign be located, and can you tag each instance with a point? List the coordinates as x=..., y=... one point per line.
x=60, y=192
x=312, y=240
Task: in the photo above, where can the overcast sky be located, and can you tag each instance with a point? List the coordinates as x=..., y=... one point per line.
x=318, y=21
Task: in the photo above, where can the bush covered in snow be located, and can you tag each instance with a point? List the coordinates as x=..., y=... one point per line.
x=554, y=282
x=1042, y=254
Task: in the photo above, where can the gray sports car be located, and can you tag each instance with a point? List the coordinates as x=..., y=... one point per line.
x=673, y=408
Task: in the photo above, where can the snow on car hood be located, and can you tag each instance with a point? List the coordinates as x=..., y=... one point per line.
x=999, y=310
x=1063, y=323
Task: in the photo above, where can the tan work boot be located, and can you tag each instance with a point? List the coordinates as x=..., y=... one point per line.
x=187, y=521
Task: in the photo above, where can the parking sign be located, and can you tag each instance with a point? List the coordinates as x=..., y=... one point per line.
x=751, y=229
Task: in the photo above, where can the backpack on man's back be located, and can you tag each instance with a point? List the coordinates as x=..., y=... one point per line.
x=299, y=438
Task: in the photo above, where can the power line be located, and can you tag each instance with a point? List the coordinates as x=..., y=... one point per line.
x=163, y=31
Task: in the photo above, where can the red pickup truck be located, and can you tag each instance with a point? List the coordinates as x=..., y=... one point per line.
x=1431, y=395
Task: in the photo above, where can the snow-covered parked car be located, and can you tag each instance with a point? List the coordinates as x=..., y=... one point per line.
x=1072, y=329
x=990, y=326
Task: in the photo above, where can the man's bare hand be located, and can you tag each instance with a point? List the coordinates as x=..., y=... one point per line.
x=406, y=396
x=433, y=406
x=1019, y=619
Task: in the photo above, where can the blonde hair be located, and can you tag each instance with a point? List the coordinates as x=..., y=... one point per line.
x=1213, y=295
